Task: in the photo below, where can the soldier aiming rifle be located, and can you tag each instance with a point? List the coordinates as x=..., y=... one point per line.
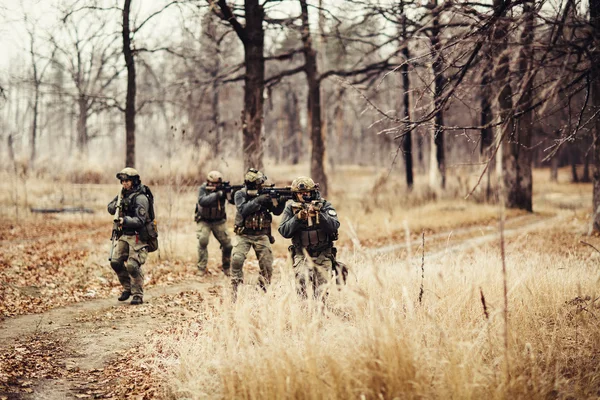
x=255, y=204
x=225, y=187
x=312, y=224
x=211, y=217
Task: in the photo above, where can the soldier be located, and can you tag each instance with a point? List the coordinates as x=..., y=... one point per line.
x=211, y=217
x=312, y=224
x=129, y=252
x=253, y=228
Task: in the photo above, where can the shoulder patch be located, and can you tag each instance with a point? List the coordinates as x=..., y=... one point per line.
x=332, y=213
x=142, y=211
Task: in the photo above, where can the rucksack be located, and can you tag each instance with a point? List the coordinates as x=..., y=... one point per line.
x=149, y=233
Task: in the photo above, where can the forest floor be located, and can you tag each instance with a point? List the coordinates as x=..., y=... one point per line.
x=63, y=334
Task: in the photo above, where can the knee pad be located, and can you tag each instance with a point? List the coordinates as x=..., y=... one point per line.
x=134, y=269
x=117, y=265
x=238, y=259
x=203, y=242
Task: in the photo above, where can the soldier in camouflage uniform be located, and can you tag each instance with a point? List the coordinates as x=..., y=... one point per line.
x=130, y=253
x=211, y=217
x=253, y=228
x=312, y=224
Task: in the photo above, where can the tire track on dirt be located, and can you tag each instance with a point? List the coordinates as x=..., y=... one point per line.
x=448, y=242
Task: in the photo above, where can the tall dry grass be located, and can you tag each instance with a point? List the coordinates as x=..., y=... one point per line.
x=373, y=339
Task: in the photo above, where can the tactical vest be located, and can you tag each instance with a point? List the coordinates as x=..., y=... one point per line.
x=128, y=209
x=313, y=240
x=212, y=213
x=258, y=222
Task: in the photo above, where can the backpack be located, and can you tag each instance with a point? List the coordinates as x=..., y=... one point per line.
x=149, y=233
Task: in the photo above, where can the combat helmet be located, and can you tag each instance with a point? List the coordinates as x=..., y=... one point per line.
x=129, y=173
x=214, y=177
x=304, y=184
x=254, y=177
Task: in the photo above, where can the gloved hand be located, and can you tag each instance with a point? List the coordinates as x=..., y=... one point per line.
x=220, y=194
x=302, y=214
x=263, y=199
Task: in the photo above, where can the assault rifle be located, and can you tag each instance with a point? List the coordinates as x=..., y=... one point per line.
x=312, y=210
x=277, y=194
x=117, y=228
x=225, y=187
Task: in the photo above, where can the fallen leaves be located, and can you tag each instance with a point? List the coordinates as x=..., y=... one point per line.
x=34, y=357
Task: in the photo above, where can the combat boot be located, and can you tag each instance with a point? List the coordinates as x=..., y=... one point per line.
x=227, y=271
x=125, y=294
x=136, y=300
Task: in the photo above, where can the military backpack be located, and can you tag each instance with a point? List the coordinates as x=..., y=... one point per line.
x=149, y=233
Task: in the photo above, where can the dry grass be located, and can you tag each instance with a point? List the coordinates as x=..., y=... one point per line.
x=374, y=340
x=372, y=209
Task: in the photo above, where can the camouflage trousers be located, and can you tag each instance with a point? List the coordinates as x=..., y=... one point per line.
x=219, y=230
x=262, y=249
x=129, y=255
x=318, y=272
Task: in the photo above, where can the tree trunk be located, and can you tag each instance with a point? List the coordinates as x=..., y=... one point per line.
x=34, y=124
x=252, y=115
x=505, y=130
x=82, y=134
x=595, y=105
x=317, y=162
x=586, y=169
x=293, y=127
x=11, y=151
x=407, y=139
x=216, y=116
x=438, y=134
x=573, y=158
x=554, y=162
x=131, y=89
x=518, y=157
x=487, y=134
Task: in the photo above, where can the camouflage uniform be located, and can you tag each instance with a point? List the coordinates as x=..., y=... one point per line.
x=211, y=217
x=130, y=252
x=312, y=236
x=253, y=230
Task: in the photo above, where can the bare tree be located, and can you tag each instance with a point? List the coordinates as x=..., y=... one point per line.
x=130, y=110
x=407, y=139
x=38, y=70
x=517, y=156
x=438, y=88
x=595, y=103
x=252, y=36
x=317, y=167
x=88, y=56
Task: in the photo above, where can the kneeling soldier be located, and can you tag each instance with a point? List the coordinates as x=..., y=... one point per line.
x=253, y=228
x=211, y=217
x=312, y=224
x=129, y=252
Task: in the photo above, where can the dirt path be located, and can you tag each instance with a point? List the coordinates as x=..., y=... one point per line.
x=86, y=336
x=469, y=238
x=71, y=349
